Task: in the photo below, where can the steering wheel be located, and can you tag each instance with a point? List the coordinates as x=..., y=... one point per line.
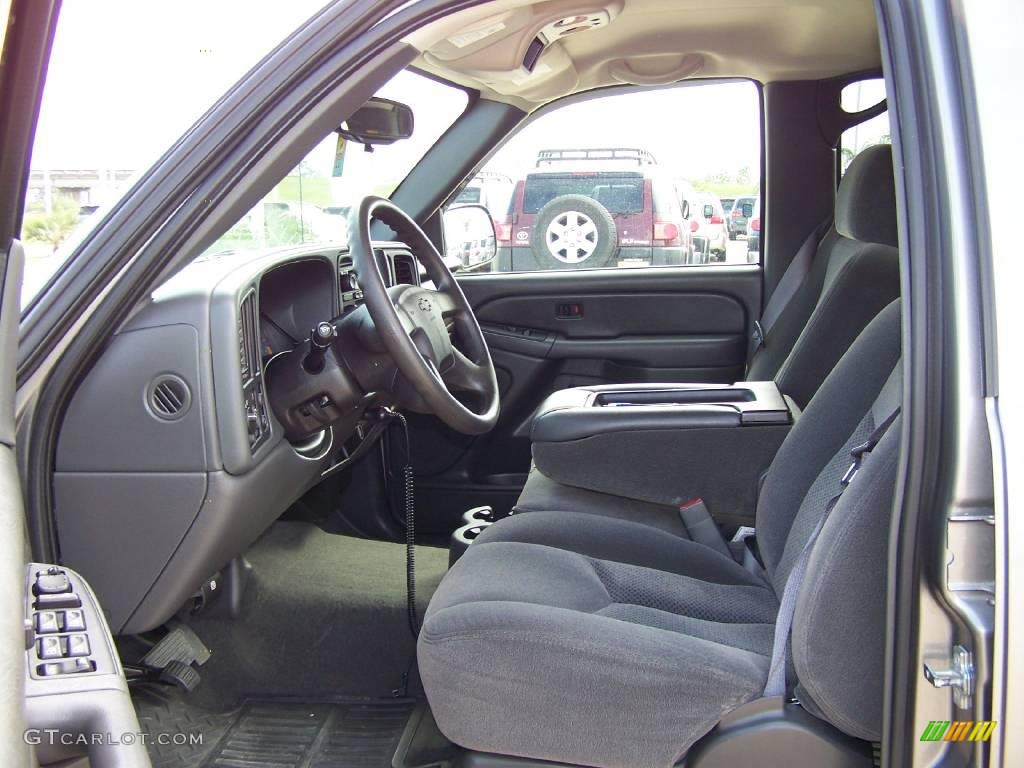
x=416, y=325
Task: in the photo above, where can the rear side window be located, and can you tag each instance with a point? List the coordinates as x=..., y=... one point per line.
x=622, y=180
x=857, y=97
x=619, y=193
x=469, y=195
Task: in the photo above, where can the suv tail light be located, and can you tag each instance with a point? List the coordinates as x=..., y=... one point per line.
x=667, y=231
x=716, y=219
x=755, y=224
x=503, y=231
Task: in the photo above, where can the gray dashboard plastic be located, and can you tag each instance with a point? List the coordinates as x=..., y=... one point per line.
x=147, y=509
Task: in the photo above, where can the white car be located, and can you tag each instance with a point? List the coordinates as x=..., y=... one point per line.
x=707, y=222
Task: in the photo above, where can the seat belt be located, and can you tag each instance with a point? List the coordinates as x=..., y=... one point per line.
x=792, y=279
x=776, y=685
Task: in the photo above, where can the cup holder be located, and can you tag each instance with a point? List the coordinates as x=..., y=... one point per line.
x=478, y=515
x=474, y=522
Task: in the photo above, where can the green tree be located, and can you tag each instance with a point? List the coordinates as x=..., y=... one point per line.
x=51, y=227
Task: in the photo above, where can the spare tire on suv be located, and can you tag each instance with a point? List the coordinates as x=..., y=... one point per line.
x=574, y=232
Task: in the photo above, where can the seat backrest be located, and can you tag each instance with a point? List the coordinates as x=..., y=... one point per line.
x=854, y=274
x=838, y=627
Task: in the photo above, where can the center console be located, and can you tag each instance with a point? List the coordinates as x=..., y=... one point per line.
x=665, y=443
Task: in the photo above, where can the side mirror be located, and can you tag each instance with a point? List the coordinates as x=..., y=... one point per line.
x=469, y=236
x=709, y=211
x=378, y=122
x=748, y=210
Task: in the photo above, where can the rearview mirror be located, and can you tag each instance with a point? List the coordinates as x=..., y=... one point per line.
x=469, y=236
x=378, y=122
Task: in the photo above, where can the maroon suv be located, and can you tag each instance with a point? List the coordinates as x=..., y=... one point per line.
x=585, y=208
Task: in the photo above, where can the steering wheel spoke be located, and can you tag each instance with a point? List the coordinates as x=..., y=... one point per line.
x=464, y=375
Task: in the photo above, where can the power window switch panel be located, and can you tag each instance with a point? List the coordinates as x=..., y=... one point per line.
x=78, y=645
x=50, y=648
x=74, y=621
x=46, y=622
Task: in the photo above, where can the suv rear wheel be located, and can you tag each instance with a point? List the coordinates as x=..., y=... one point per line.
x=574, y=232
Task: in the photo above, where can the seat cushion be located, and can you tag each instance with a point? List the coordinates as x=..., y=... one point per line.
x=543, y=493
x=580, y=639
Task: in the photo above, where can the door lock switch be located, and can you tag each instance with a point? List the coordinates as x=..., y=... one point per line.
x=68, y=667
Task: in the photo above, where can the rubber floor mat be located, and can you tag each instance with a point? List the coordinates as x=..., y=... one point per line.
x=272, y=733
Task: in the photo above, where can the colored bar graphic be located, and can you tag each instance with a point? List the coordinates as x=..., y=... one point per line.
x=958, y=730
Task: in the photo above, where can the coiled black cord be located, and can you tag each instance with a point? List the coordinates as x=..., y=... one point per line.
x=410, y=530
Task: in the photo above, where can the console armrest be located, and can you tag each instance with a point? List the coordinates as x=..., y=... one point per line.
x=664, y=443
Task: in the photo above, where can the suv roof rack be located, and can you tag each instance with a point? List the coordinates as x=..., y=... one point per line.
x=489, y=176
x=639, y=156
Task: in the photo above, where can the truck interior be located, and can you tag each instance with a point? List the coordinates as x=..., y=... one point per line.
x=347, y=504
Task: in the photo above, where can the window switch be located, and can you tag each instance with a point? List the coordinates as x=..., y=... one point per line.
x=50, y=648
x=74, y=621
x=46, y=622
x=78, y=645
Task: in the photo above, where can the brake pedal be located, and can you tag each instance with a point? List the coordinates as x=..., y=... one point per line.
x=180, y=644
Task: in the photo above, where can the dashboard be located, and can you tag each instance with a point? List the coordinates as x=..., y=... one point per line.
x=196, y=466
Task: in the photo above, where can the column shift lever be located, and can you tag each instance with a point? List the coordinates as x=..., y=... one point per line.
x=320, y=340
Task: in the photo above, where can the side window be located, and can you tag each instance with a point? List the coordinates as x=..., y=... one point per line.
x=625, y=181
x=857, y=97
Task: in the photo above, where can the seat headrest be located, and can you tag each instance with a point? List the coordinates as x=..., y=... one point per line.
x=866, y=204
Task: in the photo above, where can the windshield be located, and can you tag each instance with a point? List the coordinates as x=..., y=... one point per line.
x=311, y=204
x=117, y=96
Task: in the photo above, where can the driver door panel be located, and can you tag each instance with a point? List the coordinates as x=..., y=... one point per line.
x=553, y=330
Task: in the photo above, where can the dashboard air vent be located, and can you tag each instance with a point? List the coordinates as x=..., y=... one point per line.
x=248, y=342
x=169, y=397
x=405, y=270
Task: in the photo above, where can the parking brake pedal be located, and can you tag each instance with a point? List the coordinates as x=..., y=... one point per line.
x=171, y=660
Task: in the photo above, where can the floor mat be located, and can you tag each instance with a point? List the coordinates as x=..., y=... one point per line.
x=324, y=616
x=272, y=733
